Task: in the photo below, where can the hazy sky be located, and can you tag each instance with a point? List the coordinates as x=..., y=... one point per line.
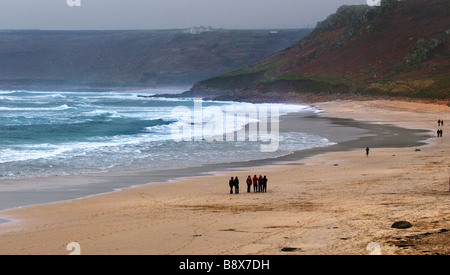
x=165, y=14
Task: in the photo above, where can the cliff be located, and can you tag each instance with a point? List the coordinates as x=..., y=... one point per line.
x=400, y=49
x=102, y=59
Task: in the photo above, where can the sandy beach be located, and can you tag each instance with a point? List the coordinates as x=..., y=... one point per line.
x=332, y=203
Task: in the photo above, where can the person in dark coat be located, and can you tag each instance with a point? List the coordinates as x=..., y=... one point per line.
x=249, y=184
x=367, y=151
x=236, y=185
x=231, y=185
x=264, y=184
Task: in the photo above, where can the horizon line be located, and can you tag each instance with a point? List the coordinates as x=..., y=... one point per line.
x=156, y=29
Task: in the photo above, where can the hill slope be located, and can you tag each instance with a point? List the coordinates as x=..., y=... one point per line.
x=398, y=49
x=69, y=59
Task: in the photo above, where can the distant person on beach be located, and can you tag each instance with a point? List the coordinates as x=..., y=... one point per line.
x=255, y=184
x=367, y=151
x=264, y=184
x=439, y=122
x=260, y=183
x=249, y=184
x=231, y=185
x=236, y=185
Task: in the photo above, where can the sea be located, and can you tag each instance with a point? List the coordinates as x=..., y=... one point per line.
x=45, y=134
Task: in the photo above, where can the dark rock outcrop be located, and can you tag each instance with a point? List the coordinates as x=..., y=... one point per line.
x=402, y=225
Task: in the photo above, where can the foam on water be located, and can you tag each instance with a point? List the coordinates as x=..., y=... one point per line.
x=69, y=133
x=59, y=108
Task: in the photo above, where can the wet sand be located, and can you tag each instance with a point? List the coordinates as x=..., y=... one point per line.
x=333, y=203
x=348, y=135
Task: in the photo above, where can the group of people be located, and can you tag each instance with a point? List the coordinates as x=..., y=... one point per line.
x=440, y=132
x=259, y=184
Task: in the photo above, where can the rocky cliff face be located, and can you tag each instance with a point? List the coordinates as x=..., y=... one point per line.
x=400, y=49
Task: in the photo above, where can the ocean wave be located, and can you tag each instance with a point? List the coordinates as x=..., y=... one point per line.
x=102, y=113
x=110, y=129
x=7, y=98
x=59, y=108
x=30, y=152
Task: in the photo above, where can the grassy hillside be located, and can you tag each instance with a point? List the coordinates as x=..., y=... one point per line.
x=97, y=59
x=400, y=49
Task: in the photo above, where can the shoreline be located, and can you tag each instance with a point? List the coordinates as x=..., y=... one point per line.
x=347, y=135
x=165, y=196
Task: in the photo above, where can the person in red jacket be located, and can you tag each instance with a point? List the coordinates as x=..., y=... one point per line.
x=255, y=184
x=260, y=183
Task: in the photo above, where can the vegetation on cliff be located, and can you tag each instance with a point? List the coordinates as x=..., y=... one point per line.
x=400, y=49
x=67, y=59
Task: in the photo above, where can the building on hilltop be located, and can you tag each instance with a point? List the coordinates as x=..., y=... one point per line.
x=198, y=30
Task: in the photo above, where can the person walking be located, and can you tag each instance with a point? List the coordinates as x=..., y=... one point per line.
x=236, y=185
x=255, y=184
x=439, y=122
x=231, y=183
x=367, y=151
x=249, y=184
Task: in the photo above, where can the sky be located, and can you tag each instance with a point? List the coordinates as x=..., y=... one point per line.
x=166, y=14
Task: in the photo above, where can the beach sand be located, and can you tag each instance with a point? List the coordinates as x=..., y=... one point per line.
x=334, y=203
